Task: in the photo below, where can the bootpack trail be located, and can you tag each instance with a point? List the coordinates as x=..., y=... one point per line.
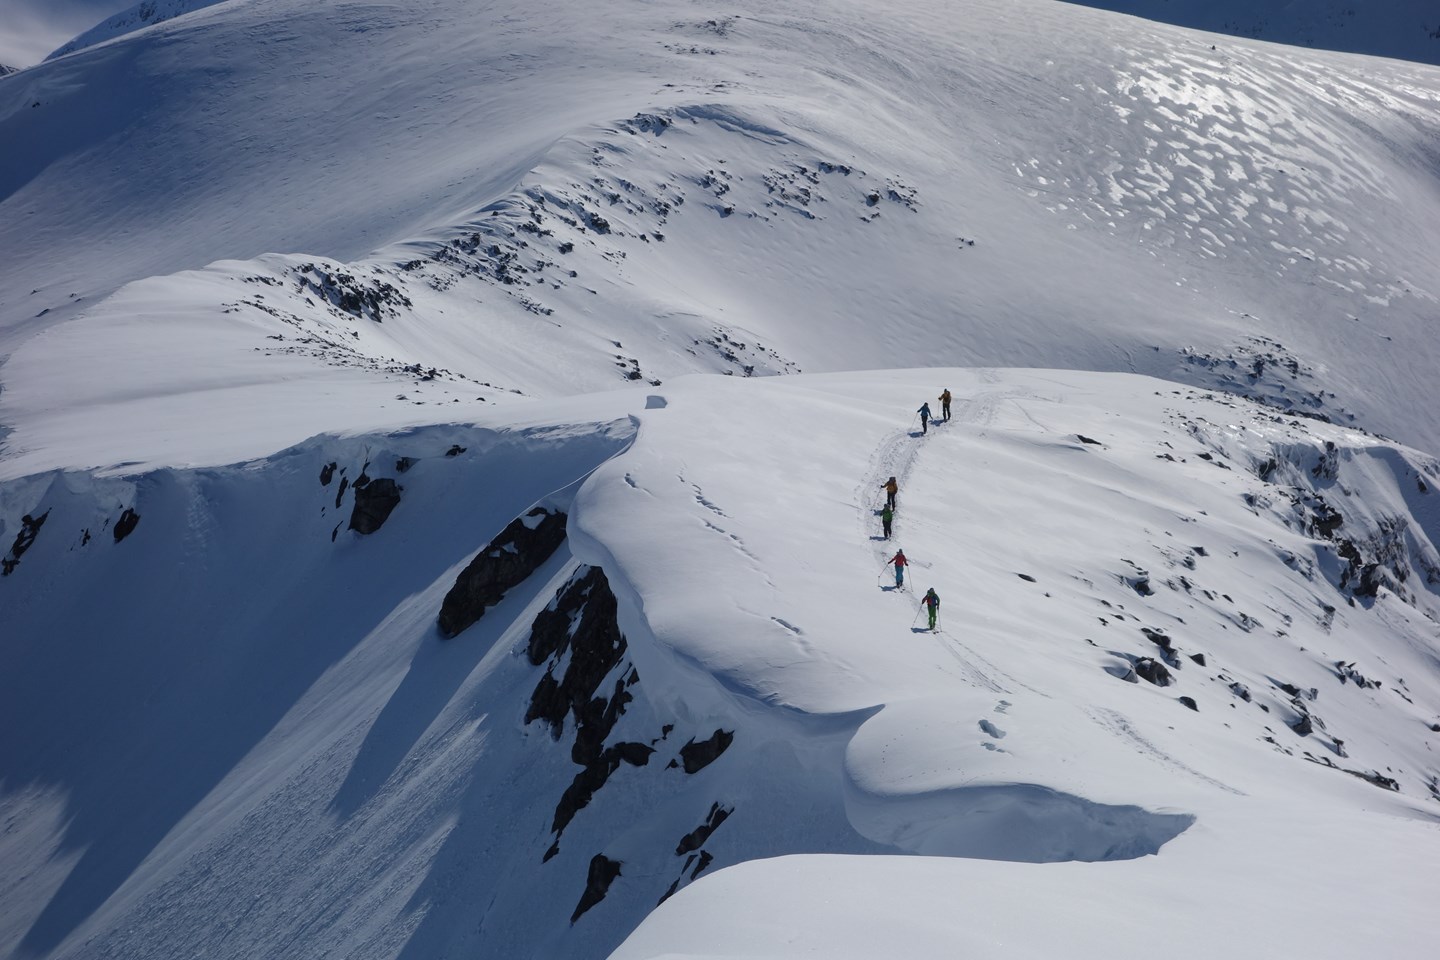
x=896, y=457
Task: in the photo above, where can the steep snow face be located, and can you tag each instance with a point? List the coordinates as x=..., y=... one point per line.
x=645, y=193
x=186, y=652
x=1407, y=29
x=127, y=21
x=1178, y=632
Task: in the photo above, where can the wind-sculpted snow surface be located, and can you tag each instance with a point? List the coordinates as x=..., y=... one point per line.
x=648, y=192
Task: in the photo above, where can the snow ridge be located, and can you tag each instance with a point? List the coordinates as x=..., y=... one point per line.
x=138, y=17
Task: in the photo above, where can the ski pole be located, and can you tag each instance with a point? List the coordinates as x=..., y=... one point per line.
x=917, y=616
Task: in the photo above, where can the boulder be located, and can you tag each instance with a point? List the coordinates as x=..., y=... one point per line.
x=1154, y=671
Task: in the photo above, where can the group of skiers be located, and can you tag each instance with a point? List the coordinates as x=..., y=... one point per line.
x=924, y=411
x=931, y=600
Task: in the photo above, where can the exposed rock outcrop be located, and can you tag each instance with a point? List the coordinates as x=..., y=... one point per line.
x=29, y=530
x=517, y=552
x=697, y=756
x=696, y=838
x=126, y=525
x=374, y=502
x=580, y=630
x=603, y=872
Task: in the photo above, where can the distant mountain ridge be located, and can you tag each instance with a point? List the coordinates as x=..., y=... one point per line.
x=1403, y=29
x=135, y=18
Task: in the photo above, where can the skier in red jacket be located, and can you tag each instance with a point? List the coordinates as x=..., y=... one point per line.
x=900, y=564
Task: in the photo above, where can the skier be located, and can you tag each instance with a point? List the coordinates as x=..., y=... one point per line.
x=891, y=488
x=886, y=516
x=931, y=603
x=900, y=564
x=924, y=412
x=945, y=405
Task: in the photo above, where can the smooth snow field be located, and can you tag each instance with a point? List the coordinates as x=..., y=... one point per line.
x=315, y=319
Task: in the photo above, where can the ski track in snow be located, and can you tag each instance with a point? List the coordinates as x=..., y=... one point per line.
x=1116, y=723
x=896, y=457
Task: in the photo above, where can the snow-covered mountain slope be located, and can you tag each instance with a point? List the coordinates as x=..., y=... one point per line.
x=1408, y=29
x=761, y=189
x=30, y=29
x=1185, y=671
x=319, y=324
x=134, y=18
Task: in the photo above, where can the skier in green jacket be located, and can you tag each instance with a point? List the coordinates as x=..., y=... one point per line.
x=931, y=603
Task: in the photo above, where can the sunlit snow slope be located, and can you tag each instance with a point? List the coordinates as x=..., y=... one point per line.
x=438, y=519
x=563, y=196
x=251, y=739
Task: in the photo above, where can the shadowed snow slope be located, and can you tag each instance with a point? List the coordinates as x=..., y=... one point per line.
x=568, y=196
x=1179, y=634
